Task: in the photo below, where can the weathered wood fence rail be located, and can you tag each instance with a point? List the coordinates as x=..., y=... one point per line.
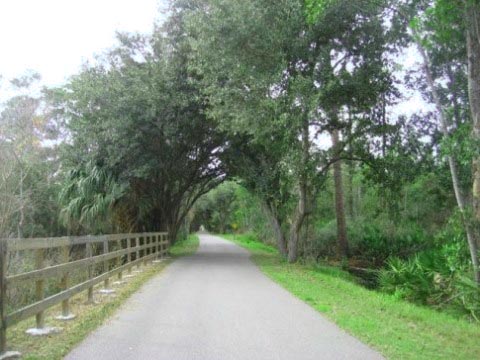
x=118, y=253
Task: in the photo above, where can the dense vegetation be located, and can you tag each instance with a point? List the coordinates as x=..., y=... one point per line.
x=289, y=111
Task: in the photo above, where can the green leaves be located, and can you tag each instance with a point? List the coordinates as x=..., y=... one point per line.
x=88, y=197
x=315, y=9
x=139, y=117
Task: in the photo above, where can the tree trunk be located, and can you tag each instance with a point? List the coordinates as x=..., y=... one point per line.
x=300, y=214
x=342, y=240
x=472, y=17
x=172, y=233
x=473, y=49
x=452, y=163
x=276, y=224
x=301, y=210
x=351, y=190
x=281, y=241
x=351, y=172
x=173, y=224
x=22, y=207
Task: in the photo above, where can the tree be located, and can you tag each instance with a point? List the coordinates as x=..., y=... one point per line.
x=472, y=18
x=443, y=49
x=288, y=75
x=339, y=201
x=138, y=119
x=216, y=209
x=28, y=164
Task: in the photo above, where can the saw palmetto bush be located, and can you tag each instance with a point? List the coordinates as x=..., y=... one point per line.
x=439, y=277
x=89, y=197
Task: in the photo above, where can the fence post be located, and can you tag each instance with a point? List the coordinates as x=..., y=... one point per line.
x=145, y=252
x=89, y=254
x=105, y=264
x=118, y=260
x=66, y=315
x=137, y=254
x=40, y=294
x=158, y=248
x=106, y=284
x=164, y=245
x=4, y=354
x=40, y=286
x=161, y=246
x=129, y=254
x=3, y=295
x=151, y=248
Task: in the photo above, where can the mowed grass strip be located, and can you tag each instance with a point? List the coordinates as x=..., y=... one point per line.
x=88, y=317
x=397, y=329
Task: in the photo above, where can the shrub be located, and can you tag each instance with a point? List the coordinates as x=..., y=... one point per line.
x=325, y=240
x=372, y=242
x=440, y=277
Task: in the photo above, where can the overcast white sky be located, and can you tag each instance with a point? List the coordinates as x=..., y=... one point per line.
x=54, y=37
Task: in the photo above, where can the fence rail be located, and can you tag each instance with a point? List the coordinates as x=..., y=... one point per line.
x=127, y=251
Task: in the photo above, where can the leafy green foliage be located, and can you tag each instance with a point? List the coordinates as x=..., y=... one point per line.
x=89, y=196
x=141, y=145
x=28, y=169
x=438, y=277
x=316, y=8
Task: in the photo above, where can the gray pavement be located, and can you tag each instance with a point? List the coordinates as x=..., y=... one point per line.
x=217, y=305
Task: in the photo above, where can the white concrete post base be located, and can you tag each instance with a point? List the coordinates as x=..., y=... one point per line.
x=10, y=355
x=119, y=282
x=106, y=291
x=66, y=317
x=44, y=331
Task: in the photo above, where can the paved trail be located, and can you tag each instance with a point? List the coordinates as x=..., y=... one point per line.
x=217, y=305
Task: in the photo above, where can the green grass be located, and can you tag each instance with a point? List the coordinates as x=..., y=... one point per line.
x=185, y=247
x=397, y=329
x=89, y=317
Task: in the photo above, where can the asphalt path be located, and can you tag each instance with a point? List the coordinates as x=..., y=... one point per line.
x=217, y=305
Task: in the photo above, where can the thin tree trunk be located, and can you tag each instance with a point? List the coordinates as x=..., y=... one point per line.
x=281, y=241
x=384, y=124
x=301, y=210
x=351, y=195
x=173, y=225
x=22, y=207
x=472, y=15
x=473, y=48
x=452, y=163
x=276, y=224
x=342, y=240
x=351, y=172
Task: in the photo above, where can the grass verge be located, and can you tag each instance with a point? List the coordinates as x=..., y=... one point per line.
x=397, y=329
x=88, y=317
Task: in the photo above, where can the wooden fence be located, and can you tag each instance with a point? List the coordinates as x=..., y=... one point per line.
x=115, y=254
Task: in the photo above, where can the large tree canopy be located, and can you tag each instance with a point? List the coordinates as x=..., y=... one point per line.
x=140, y=142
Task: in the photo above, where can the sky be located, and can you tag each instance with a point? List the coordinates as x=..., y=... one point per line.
x=54, y=37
